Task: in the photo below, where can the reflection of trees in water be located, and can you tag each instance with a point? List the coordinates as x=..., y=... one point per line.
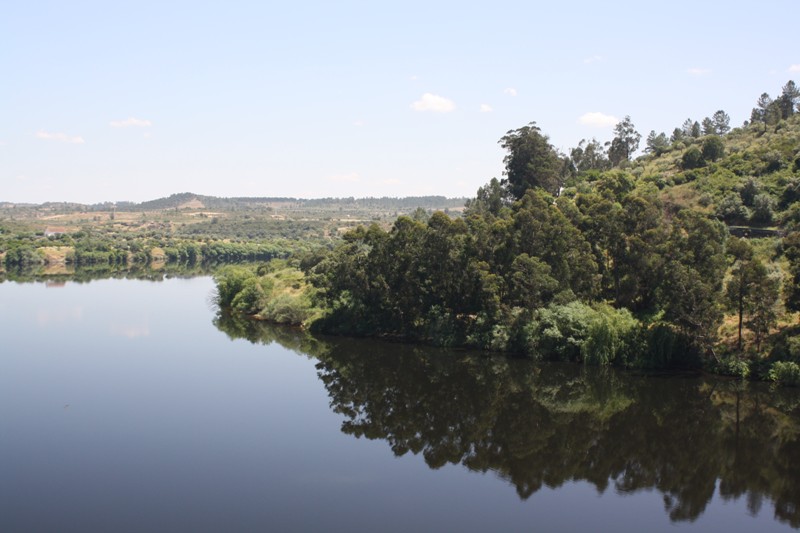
x=546, y=425
x=87, y=273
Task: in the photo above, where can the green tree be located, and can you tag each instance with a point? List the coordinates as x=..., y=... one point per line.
x=709, y=128
x=713, y=148
x=657, y=144
x=692, y=158
x=589, y=155
x=791, y=249
x=531, y=161
x=625, y=142
x=722, y=122
x=739, y=285
x=490, y=199
x=789, y=98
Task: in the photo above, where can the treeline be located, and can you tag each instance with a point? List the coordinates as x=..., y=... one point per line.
x=594, y=256
x=87, y=248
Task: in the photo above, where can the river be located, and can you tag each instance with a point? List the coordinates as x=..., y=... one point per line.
x=135, y=405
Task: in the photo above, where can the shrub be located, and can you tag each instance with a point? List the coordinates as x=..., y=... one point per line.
x=692, y=158
x=230, y=280
x=785, y=373
x=763, y=206
x=288, y=309
x=613, y=337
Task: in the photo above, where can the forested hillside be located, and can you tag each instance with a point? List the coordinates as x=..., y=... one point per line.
x=688, y=255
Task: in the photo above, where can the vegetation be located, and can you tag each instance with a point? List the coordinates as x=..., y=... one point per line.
x=596, y=257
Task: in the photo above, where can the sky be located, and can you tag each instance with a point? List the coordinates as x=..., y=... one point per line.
x=132, y=101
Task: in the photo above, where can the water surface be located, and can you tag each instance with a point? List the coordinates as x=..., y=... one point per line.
x=131, y=405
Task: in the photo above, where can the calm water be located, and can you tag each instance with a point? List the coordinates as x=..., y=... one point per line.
x=131, y=405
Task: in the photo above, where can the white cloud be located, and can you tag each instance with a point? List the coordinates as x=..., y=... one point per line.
x=433, y=102
x=510, y=91
x=139, y=123
x=696, y=71
x=22, y=177
x=414, y=77
x=594, y=59
x=359, y=123
x=345, y=178
x=392, y=181
x=598, y=120
x=486, y=108
x=794, y=68
x=61, y=137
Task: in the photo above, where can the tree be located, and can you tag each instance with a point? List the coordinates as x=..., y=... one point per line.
x=531, y=161
x=713, y=148
x=722, y=122
x=791, y=249
x=761, y=113
x=490, y=199
x=737, y=287
x=686, y=128
x=692, y=158
x=709, y=128
x=656, y=144
x=786, y=102
x=625, y=142
x=589, y=155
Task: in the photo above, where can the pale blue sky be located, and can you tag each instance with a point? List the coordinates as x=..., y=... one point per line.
x=108, y=101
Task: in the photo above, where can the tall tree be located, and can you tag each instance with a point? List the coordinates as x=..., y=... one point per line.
x=708, y=127
x=589, y=155
x=761, y=112
x=790, y=96
x=656, y=144
x=625, y=142
x=531, y=161
x=722, y=122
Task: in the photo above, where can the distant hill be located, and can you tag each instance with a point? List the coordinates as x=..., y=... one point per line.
x=188, y=200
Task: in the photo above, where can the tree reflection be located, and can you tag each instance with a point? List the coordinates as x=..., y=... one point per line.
x=550, y=424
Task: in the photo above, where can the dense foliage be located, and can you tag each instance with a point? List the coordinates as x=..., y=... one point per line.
x=596, y=257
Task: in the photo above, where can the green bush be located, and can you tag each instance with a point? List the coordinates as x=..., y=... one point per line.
x=614, y=337
x=785, y=373
x=230, y=280
x=288, y=309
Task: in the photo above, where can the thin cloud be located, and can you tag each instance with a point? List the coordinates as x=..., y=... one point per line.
x=131, y=121
x=392, y=181
x=510, y=91
x=794, y=68
x=359, y=123
x=345, y=178
x=696, y=71
x=60, y=137
x=434, y=103
x=486, y=108
x=598, y=120
x=594, y=59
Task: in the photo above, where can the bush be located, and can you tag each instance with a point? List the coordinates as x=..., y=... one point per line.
x=713, y=148
x=230, y=280
x=613, y=337
x=692, y=158
x=253, y=295
x=785, y=373
x=763, y=206
x=288, y=309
